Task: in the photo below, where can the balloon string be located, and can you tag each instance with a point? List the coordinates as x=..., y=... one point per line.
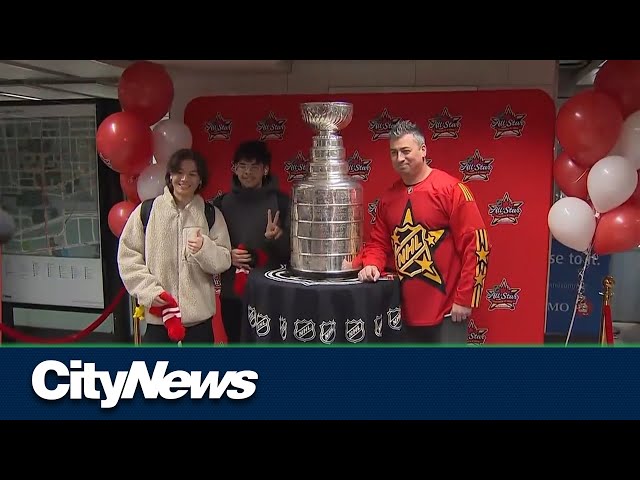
x=580, y=177
x=580, y=296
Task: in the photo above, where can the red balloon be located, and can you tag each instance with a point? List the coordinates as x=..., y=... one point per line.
x=618, y=230
x=129, y=185
x=125, y=143
x=146, y=89
x=588, y=126
x=570, y=177
x=620, y=79
x=118, y=216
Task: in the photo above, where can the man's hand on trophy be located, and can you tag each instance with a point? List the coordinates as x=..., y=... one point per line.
x=370, y=273
x=273, y=231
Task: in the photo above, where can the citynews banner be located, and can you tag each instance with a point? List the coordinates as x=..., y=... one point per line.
x=318, y=383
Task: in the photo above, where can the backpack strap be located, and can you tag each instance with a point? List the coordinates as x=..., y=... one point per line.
x=217, y=202
x=210, y=213
x=145, y=213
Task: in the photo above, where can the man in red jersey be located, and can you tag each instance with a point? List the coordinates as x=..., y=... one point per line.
x=429, y=222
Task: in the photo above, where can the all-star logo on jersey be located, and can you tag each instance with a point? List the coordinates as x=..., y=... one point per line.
x=381, y=125
x=297, y=167
x=218, y=128
x=476, y=167
x=508, y=124
x=359, y=167
x=503, y=296
x=413, y=247
x=476, y=335
x=505, y=211
x=445, y=125
x=271, y=127
x=372, y=208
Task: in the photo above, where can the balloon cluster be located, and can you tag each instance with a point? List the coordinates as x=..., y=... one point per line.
x=136, y=142
x=599, y=167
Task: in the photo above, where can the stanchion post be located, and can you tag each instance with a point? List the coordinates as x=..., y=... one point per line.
x=607, y=292
x=138, y=316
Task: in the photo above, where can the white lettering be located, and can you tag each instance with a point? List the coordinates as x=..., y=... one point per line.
x=83, y=381
x=557, y=259
x=558, y=307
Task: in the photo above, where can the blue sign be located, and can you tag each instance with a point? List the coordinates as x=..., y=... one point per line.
x=319, y=383
x=565, y=265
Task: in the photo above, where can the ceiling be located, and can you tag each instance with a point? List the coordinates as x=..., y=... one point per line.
x=57, y=79
x=82, y=79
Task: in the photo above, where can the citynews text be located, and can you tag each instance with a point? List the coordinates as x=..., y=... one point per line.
x=81, y=381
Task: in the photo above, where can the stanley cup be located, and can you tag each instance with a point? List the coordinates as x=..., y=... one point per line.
x=327, y=206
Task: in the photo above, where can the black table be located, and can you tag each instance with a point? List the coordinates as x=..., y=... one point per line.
x=282, y=308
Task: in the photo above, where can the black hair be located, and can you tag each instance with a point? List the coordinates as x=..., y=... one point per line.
x=253, y=150
x=175, y=162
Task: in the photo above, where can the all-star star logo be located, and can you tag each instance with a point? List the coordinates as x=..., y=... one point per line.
x=503, y=296
x=218, y=194
x=271, y=127
x=584, y=307
x=218, y=128
x=381, y=125
x=476, y=167
x=476, y=335
x=359, y=167
x=445, y=125
x=505, y=211
x=296, y=168
x=372, y=208
x=508, y=124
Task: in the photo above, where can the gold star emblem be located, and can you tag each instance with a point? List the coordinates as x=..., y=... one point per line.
x=413, y=246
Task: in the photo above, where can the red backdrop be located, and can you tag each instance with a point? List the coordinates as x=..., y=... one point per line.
x=500, y=143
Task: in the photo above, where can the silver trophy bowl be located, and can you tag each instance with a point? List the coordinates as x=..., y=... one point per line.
x=327, y=214
x=327, y=116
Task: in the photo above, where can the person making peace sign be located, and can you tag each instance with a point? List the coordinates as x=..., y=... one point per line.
x=257, y=216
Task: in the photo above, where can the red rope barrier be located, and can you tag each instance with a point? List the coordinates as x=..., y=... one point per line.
x=17, y=335
x=608, y=325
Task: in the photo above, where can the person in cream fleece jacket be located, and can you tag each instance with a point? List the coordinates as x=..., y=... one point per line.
x=170, y=268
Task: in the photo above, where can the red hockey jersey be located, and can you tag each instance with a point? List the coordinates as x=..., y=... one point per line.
x=438, y=240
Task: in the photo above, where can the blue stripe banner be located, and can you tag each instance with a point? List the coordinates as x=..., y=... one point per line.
x=339, y=383
x=563, y=289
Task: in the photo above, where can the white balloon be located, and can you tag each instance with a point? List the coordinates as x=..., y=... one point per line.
x=628, y=144
x=572, y=222
x=611, y=182
x=151, y=181
x=169, y=136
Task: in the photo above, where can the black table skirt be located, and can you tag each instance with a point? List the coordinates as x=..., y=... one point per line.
x=281, y=308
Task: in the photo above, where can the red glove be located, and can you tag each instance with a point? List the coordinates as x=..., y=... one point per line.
x=258, y=259
x=171, y=317
x=175, y=329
